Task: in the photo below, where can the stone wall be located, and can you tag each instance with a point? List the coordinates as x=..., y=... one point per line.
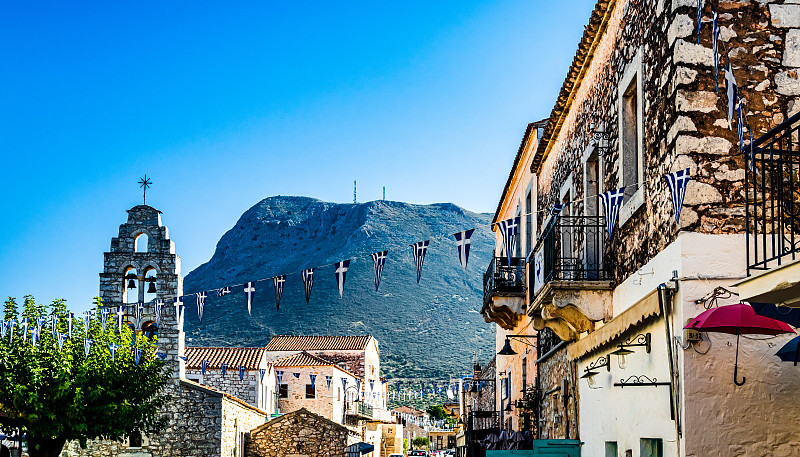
x=557, y=419
x=238, y=418
x=246, y=389
x=299, y=433
x=328, y=403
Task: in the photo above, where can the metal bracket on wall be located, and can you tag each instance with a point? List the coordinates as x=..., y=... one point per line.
x=642, y=380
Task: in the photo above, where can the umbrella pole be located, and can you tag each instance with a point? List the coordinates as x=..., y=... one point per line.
x=796, y=353
x=736, y=365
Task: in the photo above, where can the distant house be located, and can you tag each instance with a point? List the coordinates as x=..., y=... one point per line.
x=256, y=384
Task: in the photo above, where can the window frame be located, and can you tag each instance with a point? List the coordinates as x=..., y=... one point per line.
x=283, y=390
x=631, y=75
x=311, y=391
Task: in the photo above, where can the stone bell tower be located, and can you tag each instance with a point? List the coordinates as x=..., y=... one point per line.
x=153, y=270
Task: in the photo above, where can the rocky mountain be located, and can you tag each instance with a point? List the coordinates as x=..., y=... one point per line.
x=425, y=330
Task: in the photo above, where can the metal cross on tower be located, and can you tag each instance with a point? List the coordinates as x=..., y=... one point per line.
x=145, y=183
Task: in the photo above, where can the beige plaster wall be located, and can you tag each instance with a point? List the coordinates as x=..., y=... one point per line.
x=512, y=364
x=237, y=420
x=329, y=403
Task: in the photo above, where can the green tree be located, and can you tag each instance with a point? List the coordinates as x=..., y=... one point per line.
x=420, y=442
x=437, y=412
x=57, y=395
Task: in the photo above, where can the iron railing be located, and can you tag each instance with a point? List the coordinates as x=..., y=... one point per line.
x=571, y=249
x=772, y=203
x=502, y=278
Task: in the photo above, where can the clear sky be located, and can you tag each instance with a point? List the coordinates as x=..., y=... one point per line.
x=223, y=104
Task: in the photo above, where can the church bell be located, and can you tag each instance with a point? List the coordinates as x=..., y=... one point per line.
x=131, y=284
x=151, y=289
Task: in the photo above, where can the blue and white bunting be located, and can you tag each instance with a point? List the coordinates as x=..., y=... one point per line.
x=39, y=325
x=508, y=231
x=418, y=250
x=54, y=324
x=279, y=375
x=224, y=367
x=120, y=317
x=87, y=346
x=137, y=355
x=11, y=325
x=104, y=312
x=241, y=373
x=158, y=308
x=177, y=302
x=24, y=328
x=715, y=45
x=556, y=209
x=250, y=292
x=34, y=336
x=328, y=380
x=278, y=282
x=161, y=355
x=313, y=379
x=138, y=310
x=371, y=384
x=112, y=347
x=87, y=319
x=296, y=375
x=201, y=301
x=379, y=259
x=462, y=244
x=3, y=329
x=340, y=270
x=308, y=282
x=61, y=338
x=262, y=372
x=70, y=316
x=203, y=366
x=612, y=200
x=677, y=189
x=731, y=91
x=223, y=291
x=699, y=13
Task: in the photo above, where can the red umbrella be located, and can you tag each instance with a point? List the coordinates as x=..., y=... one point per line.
x=738, y=319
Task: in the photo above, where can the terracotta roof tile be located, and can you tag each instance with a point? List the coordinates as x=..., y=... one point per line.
x=234, y=357
x=304, y=359
x=318, y=343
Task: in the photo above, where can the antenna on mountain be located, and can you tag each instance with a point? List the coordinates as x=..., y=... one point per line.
x=354, y=192
x=384, y=192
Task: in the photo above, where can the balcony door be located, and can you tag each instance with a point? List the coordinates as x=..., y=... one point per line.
x=593, y=236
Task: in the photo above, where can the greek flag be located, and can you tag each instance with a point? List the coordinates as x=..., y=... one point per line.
x=328, y=380
x=224, y=367
x=557, y=208
x=184, y=358
x=138, y=310
x=178, y=304
x=612, y=200
x=120, y=316
x=224, y=291
x=262, y=372
x=250, y=292
x=752, y=163
x=313, y=379
x=715, y=46
x=201, y=301
x=39, y=325
x=278, y=282
x=113, y=349
x=104, y=312
x=86, y=320
x=462, y=243
x=87, y=346
x=162, y=355
x=24, y=328
x=371, y=384
x=379, y=258
x=358, y=385
x=241, y=373
x=34, y=336
x=418, y=250
x=11, y=325
x=508, y=231
x=296, y=375
x=731, y=91
x=137, y=355
x=279, y=375
x=3, y=329
x=61, y=338
x=70, y=316
x=158, y=308
x=344, y=383
x=54, y=323
x=699, y=13
x=340, y=269
x=308, y=282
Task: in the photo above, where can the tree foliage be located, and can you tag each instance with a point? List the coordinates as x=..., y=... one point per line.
x=420, y=441
x=55, y=396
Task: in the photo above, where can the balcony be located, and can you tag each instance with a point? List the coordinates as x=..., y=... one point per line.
x=772, y=216
x=363, y=411
x=570, y=280
x=504, y=291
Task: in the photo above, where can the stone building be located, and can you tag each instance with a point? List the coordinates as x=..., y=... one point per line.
x=203, y=422
x=256, y=384
x=300, y=432
x=640, y=101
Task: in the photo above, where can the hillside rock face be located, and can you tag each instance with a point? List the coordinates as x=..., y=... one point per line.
x=425, y=330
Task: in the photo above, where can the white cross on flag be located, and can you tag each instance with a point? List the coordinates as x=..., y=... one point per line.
x=508, y=231
x=70, y=316
x=3, y=329
x=137, y=355
x=241, y=373
x=462, y=242
x=378, y=258
x=87, y=346
x=178, y=304
x=39, y=325
x=120, y=315
x=224, y=367
x=418, y=249
x=11, y=325
x=112, y=347
x=86, y=321
x=24, y=328
x=54, y=323
x=203, y=366
x=612, y=200
x=250, y=291
x=341, y=273
x=677, y=189
x=308, y=282
x=61, y=338
x=201, y=301
x=138, y=310
x=224, y=291
x=278, y=282
x=104, y=312
x=158, y=308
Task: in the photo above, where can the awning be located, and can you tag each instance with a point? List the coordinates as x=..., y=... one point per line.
x=359, y=449
x=646, y=307
x=780, y=285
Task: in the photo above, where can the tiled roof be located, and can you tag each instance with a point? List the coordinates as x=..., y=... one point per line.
x=318, y=343
x=234, y=357
x=219, y=393
x=302, y=359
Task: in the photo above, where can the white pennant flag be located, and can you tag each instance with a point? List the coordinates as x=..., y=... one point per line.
x=308, y=282
x=340, y=269
x=379, y=259
x=250, y=291
x=201, y=301
x=462, y=243
x=158, y=308
x=418, y=250
x=612, y=200
x=61, y=338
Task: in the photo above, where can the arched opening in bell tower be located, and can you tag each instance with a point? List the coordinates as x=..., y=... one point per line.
x=150, y=285
x=130, y=286
x=140, y=243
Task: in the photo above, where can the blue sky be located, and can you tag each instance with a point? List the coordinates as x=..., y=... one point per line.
x=223, y=106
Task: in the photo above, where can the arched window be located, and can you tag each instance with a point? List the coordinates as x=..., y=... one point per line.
x=150, y=329
x=150, y=284
x=130, y=286
x=140, y=243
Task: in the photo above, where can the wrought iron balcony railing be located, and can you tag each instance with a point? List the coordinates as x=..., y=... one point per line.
x=772, y=208
x=504, y=279
x=570, y=249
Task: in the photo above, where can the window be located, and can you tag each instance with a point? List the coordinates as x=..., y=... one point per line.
x=651, y=447
x=528, y=223
x=631, y=163
x=135, y=439
x=611, y=449
x=283, y=391
x=524, y=373
x=140, y=243
x=130, y=286
x=310, y=391
x=592, y=240
x=150, y=329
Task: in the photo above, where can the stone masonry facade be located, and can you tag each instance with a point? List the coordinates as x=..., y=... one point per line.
x=300, y=433
x=246, y=389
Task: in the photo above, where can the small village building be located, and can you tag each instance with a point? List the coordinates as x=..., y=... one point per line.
x=412, y=420
x=300, y=432
x=256, y=384
x=315, y=384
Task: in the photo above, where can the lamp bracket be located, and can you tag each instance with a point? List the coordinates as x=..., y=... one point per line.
x=637, y=381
